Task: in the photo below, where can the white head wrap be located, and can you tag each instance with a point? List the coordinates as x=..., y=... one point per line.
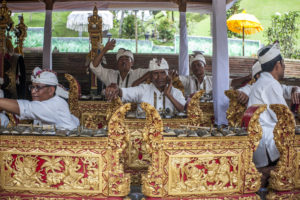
x=44, y=76
x=199, y=57
x=256, y=68
x=62, y=91
x=274, y=51
x=156, y=64
x=124, y=52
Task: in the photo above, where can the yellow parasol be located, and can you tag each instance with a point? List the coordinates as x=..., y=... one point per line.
x=244, y=23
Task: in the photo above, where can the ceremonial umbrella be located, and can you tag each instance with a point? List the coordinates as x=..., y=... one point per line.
x=78, y=20
x=244, y=23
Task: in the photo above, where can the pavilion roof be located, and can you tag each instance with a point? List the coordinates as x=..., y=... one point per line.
x=200, y=6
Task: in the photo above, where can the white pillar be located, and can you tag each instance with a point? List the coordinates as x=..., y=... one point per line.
x=220, y=61
x=47, y=53
x=183, y=47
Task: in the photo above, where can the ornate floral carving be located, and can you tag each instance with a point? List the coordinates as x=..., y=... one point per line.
x=152, y=181
x=95, y=32
x=113, y=106
x=74, y=94
x=118, y=141
x=252, y=180
x=282, y=177
x=194, y=112
x=235, y=110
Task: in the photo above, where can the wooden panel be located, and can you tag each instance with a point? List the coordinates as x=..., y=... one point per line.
x=75, y=64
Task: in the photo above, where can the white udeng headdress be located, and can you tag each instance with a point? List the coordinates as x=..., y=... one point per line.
x=44, y=76
x=199, y=57
x=256, y=68
x=156, y=64
x=124, y=52
x=274, y=51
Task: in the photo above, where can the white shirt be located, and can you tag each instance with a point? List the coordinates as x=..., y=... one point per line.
x=287, y=90
x=192, y=85
x=4, y=119
x=109, y=76
x=146, y=93
x=52, y=111
x=266, y=90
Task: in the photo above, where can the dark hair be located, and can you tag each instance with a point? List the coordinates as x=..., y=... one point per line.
x=269, y=66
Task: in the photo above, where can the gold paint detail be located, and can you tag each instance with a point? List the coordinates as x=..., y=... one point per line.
x=118, y=142
x=235, y=110
x=194, y=112
x=21, y=34
x=73, y=95
x=282, y=178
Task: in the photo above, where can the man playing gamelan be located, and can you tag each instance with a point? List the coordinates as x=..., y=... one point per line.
x=124, y=76
x=160, y=93
x=267, y=90
x=200, y=81
x=289, y=92
x=45, y=105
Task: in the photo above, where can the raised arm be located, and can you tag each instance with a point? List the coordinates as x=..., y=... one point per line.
x=174, y=101
x=110, y=45
x=10, y=105
x=142, y=79
x=237, y=83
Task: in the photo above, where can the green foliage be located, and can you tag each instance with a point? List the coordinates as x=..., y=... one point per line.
x=284, y=28
x=235, y=9
x=128, y=30
x=166, y=29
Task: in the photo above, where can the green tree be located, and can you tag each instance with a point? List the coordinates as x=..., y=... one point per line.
x=166, y=29
x=128, y=29
x=284, y=28
x=235, y=9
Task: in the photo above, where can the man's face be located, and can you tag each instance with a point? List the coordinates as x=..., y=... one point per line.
x=41, y=92
x=198, y=69
x=159, y=78
x=281, y=69
x=124, y=63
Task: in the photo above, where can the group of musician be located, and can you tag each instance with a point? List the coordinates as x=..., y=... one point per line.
x=48, y=105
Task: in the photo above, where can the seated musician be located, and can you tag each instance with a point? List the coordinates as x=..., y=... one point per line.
x=289, y=92
x=4, y=119
x=200, y=81
x=45, y=106
x=268, y=90
x=160, y=93
x=124, y=76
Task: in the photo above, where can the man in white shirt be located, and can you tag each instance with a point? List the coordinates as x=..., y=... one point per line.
x=289, y=92
x=124, y=76
x=200, y=81
x=267, y=90
x=45, y=106
x=160, y=93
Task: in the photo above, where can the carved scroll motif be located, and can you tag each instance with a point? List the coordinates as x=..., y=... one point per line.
x=152, y=181
x=253, y=177
x=74, y=94
x=118, y=141
x=194, y=112
x=235, y=110
x=282, y=178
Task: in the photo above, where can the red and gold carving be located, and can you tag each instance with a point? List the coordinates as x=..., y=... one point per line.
x=213, y=167
x=283, y=177
x=194, y=112
x=66, y=167
x=235, y=110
